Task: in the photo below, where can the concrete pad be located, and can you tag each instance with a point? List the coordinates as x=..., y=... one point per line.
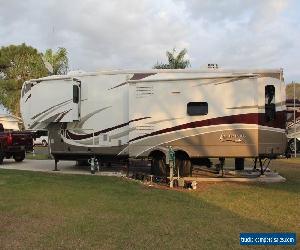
x=65, y=167
x=69, y=167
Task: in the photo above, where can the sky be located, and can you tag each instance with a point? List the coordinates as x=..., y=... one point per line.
x=135, y=34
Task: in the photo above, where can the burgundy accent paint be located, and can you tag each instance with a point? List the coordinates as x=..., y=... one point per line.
x=252, y=118
x=86, y=136
x=279, y=122
x=137, y=76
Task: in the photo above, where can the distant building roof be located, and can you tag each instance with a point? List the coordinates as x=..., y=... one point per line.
x=10, y=122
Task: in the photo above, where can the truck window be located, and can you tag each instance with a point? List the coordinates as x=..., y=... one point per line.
x=197, y=108
x=270, y=107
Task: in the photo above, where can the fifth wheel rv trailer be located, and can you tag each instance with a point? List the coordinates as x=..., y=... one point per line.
x=139, y=114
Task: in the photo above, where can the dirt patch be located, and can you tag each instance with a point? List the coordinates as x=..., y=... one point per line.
x=201, y=187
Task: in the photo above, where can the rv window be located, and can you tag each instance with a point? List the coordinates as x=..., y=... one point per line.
x=270, y=107
x=105, y=137
x=197, y=108
x=75, y=94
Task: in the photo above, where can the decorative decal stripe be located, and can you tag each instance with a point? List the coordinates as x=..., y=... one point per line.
x=52, y=107
x=272, y=75
x=121, y=84
x=28, y=98
x=88, y=116
x=278, y=104
x=52, y=118
x=72, y=136
x=63, y=115
x=252, y=118
x=233, y=80
x=137, y=76
x=164, y=120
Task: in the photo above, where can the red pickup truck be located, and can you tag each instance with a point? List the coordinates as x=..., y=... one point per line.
x=15, y=144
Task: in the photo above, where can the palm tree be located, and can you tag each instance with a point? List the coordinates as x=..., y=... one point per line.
x=58, y=60
x=175, y=61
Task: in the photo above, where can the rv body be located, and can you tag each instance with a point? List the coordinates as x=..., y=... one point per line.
x=122, y=114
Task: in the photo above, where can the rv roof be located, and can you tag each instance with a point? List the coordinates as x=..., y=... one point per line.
x=217, y=72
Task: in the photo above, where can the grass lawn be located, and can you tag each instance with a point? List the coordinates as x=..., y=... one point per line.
x=291, y=160
x=48, y=211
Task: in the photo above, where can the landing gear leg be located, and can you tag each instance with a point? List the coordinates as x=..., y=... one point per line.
x=55, y=165
x=255, y=162
x=266, y=163
x=261, y=167
x=222, y=163
x=94, y=165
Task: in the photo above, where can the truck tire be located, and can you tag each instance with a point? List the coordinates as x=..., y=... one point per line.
x=19, y=157
x=44, y=143
x=1, y=159
x=291, y=145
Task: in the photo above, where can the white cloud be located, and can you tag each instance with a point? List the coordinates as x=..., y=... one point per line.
x=136, y=33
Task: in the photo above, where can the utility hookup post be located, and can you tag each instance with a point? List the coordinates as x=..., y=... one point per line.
x=171, y=165
x=55, y=165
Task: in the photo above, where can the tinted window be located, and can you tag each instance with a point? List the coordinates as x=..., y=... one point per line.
x=270, y=107
x=197, y=108
x=75, y=94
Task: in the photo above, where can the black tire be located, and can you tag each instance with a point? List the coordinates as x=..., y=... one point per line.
x=44, y=143
x=158, y=165
x=202, y=162
x=19, y=157
x=291, y=145
x=184, y=164
x=1, y=159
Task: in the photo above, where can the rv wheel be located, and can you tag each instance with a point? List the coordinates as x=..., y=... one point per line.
x=184, y=164
x=19, y=157
x=158, y=165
